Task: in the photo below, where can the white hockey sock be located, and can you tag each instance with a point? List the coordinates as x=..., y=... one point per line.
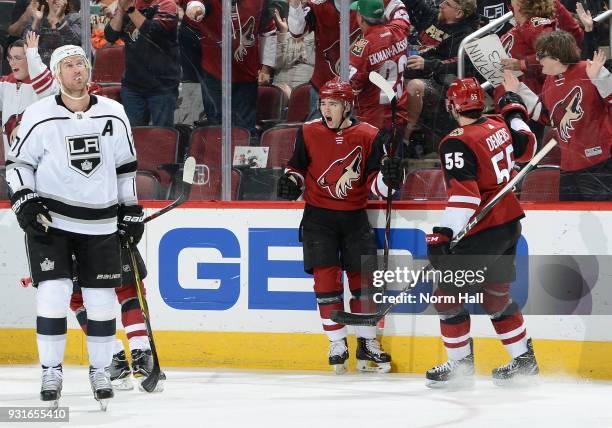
x=52, y=301
x=99, y=303
x=139, y=342
x=365, y=331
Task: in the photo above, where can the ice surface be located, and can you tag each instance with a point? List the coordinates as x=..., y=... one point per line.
x=267, y=399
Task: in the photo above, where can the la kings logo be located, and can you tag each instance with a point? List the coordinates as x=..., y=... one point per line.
x=84, y=154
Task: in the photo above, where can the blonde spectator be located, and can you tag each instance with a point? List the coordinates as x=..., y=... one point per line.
x=294, y=56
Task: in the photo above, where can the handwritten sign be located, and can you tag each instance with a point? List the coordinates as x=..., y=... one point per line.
x=486, y=55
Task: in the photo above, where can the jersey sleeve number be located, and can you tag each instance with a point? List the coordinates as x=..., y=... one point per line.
x=503, y=174
x=394, y=74
x=453, y=160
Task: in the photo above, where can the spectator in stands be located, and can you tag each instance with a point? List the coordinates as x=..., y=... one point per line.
x=57, y=26
x=100, y=14
x=253, y=56
x=592, y=32
x=23, y=11
x=149, y=86
x=29, y=81
x=295, y=56
x=439, y=34
x=576, y=100
x=322, y=18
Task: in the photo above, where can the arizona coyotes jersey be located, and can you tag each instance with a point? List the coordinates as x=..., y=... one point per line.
x=520, y=42
x=338, y=169
x=249, y=36
x=82, y=164
x=582, y=117
x=477, y=161
x=16, y=95
x=322, y=17
x=382, y=49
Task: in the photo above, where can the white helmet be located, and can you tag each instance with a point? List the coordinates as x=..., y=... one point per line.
x=64, y=52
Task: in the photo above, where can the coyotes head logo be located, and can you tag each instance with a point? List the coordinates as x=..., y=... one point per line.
x=338, y=178
x=567, y=111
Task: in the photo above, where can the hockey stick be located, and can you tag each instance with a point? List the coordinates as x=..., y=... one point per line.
x=386, y=87
x=188, y=172
x=347, y=318
x=151, y=381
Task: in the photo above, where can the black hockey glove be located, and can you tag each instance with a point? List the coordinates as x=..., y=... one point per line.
x=511, y=106
x=130, y=223
x=28, y=206
x=288, y=187
x=438, y=245
x=392, y=172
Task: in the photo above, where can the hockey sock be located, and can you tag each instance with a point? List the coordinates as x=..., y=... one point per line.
x=454, y=326
x=328, y=290
x=100, y=303
x=52, y=301
x=506, y=318
x=362, y=301
x=131, y=317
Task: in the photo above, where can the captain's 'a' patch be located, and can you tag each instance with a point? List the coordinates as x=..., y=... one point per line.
x=84, y=155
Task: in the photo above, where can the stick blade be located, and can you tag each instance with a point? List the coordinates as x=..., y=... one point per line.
x=189, y=170
x=384, y=86
x=347, y=318
x=150, y=383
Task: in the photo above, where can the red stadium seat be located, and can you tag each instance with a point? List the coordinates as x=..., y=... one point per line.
x=299, y=103
x=112, y=92
x=2, y=155
x=281, y=142
x=424, y=185
x=109, y=65
x=155, y=147
x=147, y=186
x=270, y=104
x=205, y=146
x=541, y=185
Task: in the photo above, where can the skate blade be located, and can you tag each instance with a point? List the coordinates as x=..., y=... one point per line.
x=53, y=404
x=367, y=366
x=518, y=381
x=124, y=384
x=103, y=404
x=453, y=384
x=340, y=369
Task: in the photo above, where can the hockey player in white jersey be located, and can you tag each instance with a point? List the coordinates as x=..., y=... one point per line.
x=72, y=171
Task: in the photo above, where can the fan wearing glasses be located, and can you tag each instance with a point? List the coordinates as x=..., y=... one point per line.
x=29, y=81
x=575, y=100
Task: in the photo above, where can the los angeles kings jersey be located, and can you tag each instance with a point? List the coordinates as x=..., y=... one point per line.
x=477, y=161
x=338, y=169
x=82, y=164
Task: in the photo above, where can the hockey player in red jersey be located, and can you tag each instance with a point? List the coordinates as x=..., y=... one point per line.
x=477, y=160
x=335, y=164
x=575, y=100
x=382, y=49
x=323, y=17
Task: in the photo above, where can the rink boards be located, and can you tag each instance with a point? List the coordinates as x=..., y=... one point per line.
x=226, y=288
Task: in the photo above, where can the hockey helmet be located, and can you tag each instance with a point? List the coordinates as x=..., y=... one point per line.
x=64, y=52
x=465, y=94
x=337, y=90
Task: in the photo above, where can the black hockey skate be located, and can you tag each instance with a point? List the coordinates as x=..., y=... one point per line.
x=142, y=364
x=101, y=386
x=371, y=357
x=338, y=355
x=521, y=370
x=120, y=372
x=453, y=373
x=51, y=389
